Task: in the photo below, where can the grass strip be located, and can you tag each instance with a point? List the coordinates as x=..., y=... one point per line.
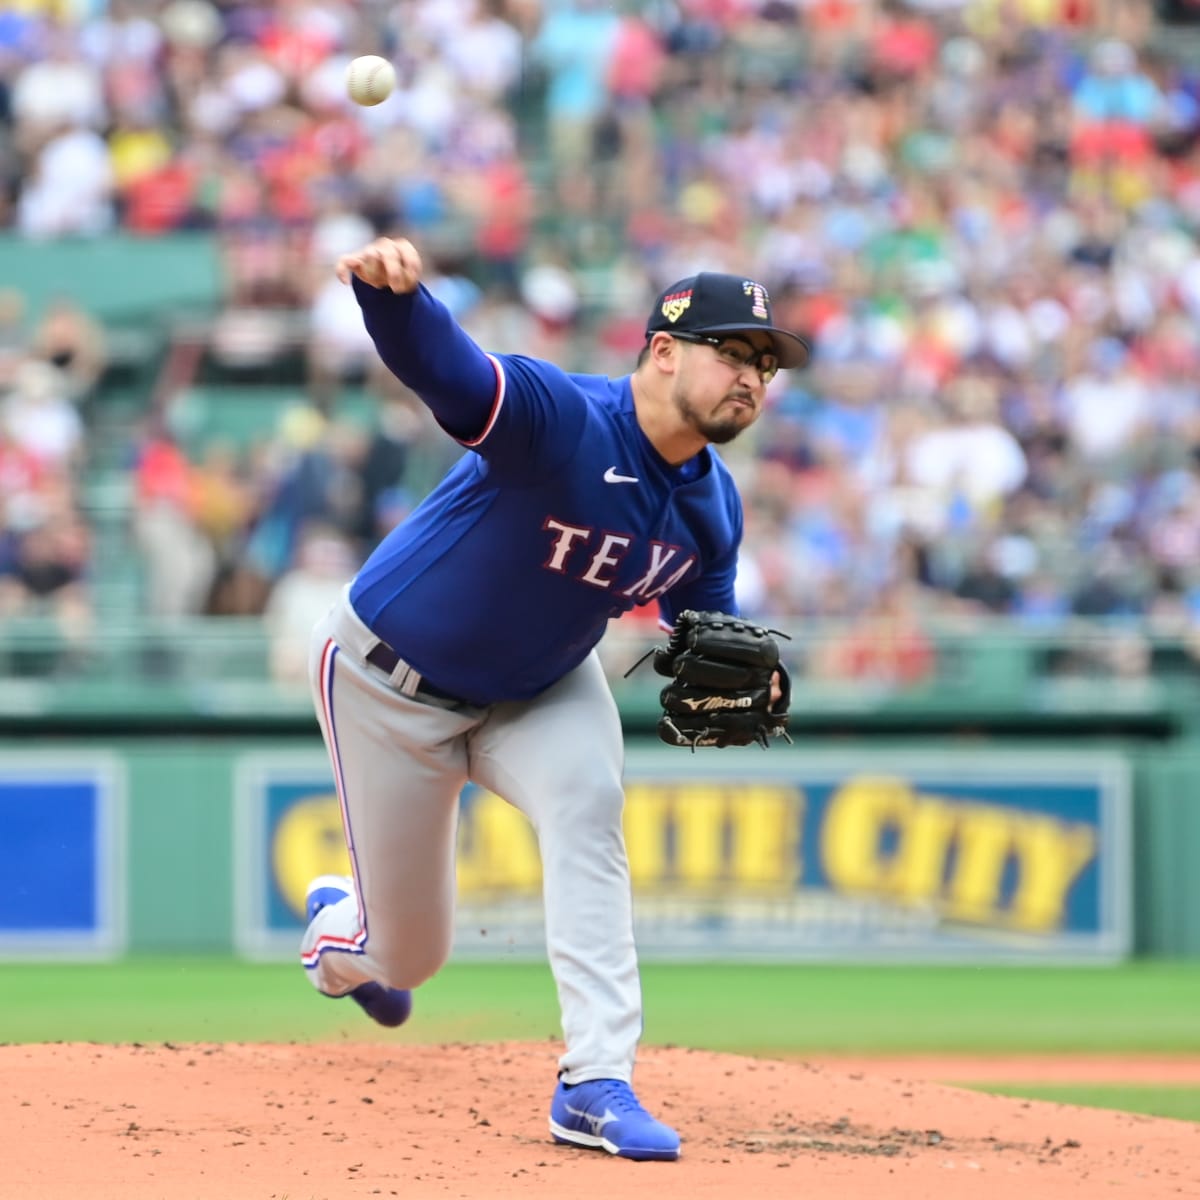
x=1182, y=1103
x=1141, y=1007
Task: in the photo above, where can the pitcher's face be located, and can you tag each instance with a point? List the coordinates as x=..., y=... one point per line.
x=721, y=383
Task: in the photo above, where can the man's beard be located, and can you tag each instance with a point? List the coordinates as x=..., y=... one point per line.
x=716, y=429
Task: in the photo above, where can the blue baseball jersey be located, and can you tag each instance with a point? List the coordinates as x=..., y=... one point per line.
x=561, y=516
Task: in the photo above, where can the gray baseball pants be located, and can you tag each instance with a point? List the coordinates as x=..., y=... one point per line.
x=399, y=764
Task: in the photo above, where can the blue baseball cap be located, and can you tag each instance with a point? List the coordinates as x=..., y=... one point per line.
x=714, y=303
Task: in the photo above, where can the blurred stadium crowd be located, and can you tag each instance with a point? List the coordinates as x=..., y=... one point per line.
x=984, y=213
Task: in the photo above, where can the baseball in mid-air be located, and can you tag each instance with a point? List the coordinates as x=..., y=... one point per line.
x=370, y=79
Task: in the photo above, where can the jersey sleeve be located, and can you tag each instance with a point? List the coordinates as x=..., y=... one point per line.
x=523, y=416
x=711, y=592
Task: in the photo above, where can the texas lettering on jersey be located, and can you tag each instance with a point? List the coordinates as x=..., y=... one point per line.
x=594, y=558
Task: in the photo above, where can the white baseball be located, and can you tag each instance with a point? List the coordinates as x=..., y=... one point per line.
x=370, y=79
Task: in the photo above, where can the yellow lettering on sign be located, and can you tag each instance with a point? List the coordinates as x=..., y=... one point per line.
x=766, y=840
x=696, y=836
x=852, y=833
x=1052, y=854
x=700, y=813
x=920, y=860
x=984, y=845
x=953, y=855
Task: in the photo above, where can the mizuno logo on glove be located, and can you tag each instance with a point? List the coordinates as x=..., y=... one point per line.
x=708, y=703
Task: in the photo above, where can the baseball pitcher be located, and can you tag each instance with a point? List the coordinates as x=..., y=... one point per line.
x=465, y=649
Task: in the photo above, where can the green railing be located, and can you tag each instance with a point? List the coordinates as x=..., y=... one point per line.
x=990, y=677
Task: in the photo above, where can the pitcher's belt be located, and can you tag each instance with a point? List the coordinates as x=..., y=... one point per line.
x=382, y=656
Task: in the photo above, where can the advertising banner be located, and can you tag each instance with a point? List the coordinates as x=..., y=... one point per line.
x=61, y=856
x=981, y=856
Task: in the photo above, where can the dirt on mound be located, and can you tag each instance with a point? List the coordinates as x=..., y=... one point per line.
x=325, y=1122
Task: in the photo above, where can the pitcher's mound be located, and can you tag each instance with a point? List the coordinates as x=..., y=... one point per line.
x=303, y=1122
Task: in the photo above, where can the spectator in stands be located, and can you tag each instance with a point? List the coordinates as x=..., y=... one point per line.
x=51, y=567
x=984, y=584
x=45, y=567
x=1116, y=108
x=1107, y=406
x=382, y=470
x=337, y=349
x=485, y=51
x=224, y=500
x=313, y=481
x=179, y=561
x=322, y=565
x=968, y=454
x=39, y=415
x=574, y=47
x=23, y=477
x=73, y=341
x=57, y=89
x=69, y=187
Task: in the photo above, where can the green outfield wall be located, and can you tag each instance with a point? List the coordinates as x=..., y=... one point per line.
x=909, y=849
x=1166, y=843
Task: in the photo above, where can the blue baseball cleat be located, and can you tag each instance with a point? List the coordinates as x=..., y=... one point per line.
x=324, y=891
x=604, y=1114
x=384, y=1005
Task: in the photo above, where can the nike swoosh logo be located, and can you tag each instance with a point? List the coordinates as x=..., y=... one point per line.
x=611, y=476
